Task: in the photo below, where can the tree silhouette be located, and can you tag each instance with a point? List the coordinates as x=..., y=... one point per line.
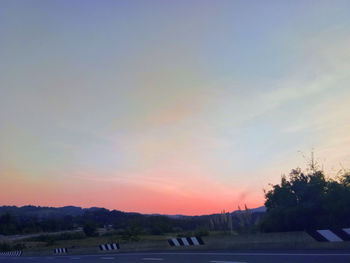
x=307, y=200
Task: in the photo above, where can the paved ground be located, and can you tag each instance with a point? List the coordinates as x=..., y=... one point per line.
x=196, y=257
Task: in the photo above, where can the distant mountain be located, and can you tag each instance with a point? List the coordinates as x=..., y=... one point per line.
x=49, y=212
x=175, y=216
x=41, y=211
x=261, y=209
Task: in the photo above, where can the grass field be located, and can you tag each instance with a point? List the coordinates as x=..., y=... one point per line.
x=215, y=241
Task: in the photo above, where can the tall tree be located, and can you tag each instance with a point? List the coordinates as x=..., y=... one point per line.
x=307, y=200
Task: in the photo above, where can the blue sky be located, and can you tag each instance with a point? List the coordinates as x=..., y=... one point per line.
x=169, y=100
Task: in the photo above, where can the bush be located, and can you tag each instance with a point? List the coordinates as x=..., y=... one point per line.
x=131, y=234
x=201, y=233
x=5, y=247
x=90, y=229
x=307, y=200
x=63, y=236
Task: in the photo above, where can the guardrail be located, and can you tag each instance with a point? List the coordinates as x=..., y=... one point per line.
x=16, y=253
x=60, y=250
x=330, y=235
x=185, y=241
x=113, y=246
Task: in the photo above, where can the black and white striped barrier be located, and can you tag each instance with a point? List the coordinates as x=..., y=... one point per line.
x=60, y=250
x=185, y=241
x=11, y=253
x=331, y=235
x=113, y=246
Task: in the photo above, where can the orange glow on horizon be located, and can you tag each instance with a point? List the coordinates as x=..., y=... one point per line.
x=120, y=196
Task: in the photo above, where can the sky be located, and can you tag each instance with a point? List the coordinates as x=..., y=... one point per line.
x=173, y=107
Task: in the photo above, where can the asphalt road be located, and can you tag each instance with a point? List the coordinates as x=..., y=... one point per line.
x=195, y=257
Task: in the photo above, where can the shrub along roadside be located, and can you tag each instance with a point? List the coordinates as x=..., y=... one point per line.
x=51, y=239
x=307, y=200
x=5, y=247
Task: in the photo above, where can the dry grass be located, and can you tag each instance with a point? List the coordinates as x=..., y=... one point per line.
x=287, y=240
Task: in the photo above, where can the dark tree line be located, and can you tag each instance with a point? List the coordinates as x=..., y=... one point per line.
x=308, y=200
x=11, y=225
x=91, y=219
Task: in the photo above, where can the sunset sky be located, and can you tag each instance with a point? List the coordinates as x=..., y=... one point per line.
x=176, y=107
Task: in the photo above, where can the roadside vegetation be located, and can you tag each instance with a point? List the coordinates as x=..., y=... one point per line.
x=308, y=200
x=5, y=246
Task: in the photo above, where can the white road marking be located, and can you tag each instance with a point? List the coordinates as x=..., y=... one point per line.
x=154, y=259
x=238, y=254
x=149, y=254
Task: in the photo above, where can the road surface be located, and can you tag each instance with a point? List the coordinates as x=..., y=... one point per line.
x=318, y=256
